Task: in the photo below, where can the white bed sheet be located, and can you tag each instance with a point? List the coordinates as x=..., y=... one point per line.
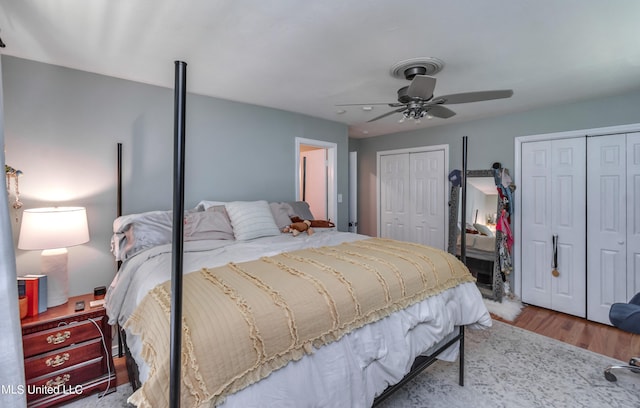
x=479, y=247
x=348, y=372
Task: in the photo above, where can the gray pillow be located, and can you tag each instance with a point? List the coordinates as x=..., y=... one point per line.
x=301, y=209
x=281, y=213
x=208, y=224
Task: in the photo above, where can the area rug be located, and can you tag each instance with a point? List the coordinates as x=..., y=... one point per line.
x=513, y=368
x=505, y=367
x=117, y=399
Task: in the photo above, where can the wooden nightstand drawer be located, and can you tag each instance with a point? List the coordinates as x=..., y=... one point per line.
x=65, y=357
x=64, y=381
x=62, y=358
x=59, y=337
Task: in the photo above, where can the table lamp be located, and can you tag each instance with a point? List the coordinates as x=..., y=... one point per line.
x=53, y=230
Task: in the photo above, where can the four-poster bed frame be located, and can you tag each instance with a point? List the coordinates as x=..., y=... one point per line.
x=421, y=363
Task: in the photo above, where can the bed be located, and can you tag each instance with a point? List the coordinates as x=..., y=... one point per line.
x=347, y=365
x=385, y=327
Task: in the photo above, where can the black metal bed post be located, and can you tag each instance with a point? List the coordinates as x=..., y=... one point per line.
x=463, y=215
x=463, y=242
x=119, y=185
x=461, y=370
x=118, y=214
x=178, y=227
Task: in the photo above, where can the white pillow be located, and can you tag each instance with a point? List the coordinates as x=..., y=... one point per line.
x=483, y=229
x=251, y=219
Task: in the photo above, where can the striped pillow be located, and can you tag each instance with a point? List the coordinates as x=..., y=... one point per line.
x=251, y=219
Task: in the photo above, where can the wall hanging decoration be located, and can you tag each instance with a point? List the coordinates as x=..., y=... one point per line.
x=13, y=174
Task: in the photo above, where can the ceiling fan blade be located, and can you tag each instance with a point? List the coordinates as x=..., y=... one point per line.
x=367, y=104
x=474, y=96
x=387, y=114
x=422, y=87
x=439, y=111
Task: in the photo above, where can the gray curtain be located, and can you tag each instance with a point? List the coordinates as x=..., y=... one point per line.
x=11, y=360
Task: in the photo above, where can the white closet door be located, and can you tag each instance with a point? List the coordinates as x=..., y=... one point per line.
x=553, y=198
x=607, y=225
x=569, y=223
x=427, y=206
x=536, y=223
x=394, y=197
x=633, y=214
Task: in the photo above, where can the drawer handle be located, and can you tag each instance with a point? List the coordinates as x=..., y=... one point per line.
x=57, y=360
x=58, y=381
x=60, y=337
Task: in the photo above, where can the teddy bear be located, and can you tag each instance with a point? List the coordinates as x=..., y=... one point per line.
x=297, y=227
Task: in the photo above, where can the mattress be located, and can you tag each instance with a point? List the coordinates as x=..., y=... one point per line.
x=347, y=372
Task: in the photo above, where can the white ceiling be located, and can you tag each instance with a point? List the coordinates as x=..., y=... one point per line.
x=308, y=56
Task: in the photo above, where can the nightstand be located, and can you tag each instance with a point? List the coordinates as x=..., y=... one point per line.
x=64, y=355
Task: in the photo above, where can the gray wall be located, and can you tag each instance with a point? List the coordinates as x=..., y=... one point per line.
x=61, y=130
x=489, y=140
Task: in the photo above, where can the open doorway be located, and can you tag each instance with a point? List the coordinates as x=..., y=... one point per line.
x=316, y=177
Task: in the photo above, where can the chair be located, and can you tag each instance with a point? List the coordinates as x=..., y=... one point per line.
x=625, y=316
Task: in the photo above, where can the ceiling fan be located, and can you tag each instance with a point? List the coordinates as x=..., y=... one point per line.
x=416, y=100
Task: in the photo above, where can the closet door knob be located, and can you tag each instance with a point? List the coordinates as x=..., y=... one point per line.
x=621, y=242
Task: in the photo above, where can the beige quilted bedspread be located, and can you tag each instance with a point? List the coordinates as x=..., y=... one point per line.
x=242, y=321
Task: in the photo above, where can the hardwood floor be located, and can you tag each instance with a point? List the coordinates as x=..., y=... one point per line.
x=599, y=338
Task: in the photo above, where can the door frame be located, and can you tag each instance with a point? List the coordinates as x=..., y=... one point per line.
x=419, y=149
x=353, y=192
x=517, y=220
x=332, y=173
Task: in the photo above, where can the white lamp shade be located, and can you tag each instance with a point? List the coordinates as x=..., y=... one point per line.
x=53, y=230
x=54, y=227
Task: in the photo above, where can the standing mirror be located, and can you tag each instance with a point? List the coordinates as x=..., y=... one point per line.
x=484, y=248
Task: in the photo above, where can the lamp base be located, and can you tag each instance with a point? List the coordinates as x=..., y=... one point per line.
x=54, y=265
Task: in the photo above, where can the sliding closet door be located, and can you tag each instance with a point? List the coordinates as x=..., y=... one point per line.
x=607, y=226
x=613, y=246
x=536, y=223
x=427, y=206
x=412, y=196
x=394, y=197
x=633, y=214
x=553, y=196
